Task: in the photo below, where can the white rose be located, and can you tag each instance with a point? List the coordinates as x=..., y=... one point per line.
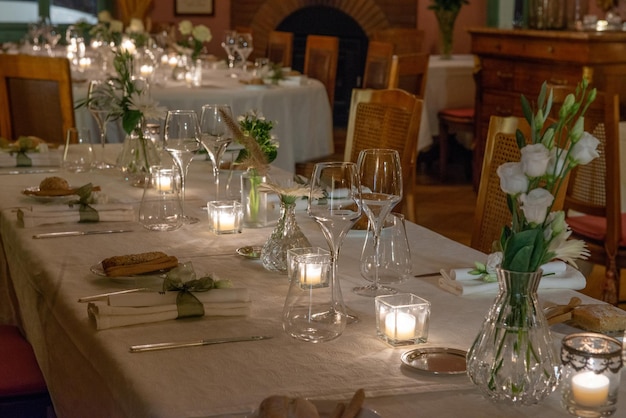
x=535, y=158
x=535, y=205
x=104, y=16
x=136, y=26
x=116, y=26
x=185, y=27
x=512, y=178
x=201, y=33
x=585, y=150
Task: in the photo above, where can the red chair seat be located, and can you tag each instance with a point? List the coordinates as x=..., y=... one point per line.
x=461, y=113
x=19, y=371
x=594, y=227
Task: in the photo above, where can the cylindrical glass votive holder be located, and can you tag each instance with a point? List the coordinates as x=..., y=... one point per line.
x=590, y=374
x=402, y=319
x=225, y=216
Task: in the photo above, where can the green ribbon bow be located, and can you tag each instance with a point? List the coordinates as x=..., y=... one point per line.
x=86, y=212
x=187, y=303
x=23, y=160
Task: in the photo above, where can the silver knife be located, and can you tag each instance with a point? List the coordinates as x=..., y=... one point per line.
x=165, y=346
x=78, y=233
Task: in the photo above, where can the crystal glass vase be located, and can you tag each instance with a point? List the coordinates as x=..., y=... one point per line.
x=138, y=154
x=286, y=235
x=446, y=19
x=513, y=358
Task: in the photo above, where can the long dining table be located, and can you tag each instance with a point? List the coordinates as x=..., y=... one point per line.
x=92, y=373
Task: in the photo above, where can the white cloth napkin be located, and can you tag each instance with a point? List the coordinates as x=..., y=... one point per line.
x=154, y=307
x=49, y=158
x=55, y=214
x=561, y=276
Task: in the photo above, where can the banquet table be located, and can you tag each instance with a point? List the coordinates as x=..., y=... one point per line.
x=301, y=111
x=92, y=373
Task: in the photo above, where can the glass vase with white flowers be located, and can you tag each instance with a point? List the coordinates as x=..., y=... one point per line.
x=513, y=358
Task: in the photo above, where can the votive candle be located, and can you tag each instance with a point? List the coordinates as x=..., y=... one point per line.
x=590, y=389
x=224, y=222
x=311, y=274
x=400, y=326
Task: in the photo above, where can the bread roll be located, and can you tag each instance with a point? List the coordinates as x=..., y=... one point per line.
x=599, y=318
x=131, y=264
x=283, y=407
x=54, y=183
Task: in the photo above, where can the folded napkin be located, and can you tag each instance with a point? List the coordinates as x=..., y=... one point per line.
x=557, y=275
x=140, y=308
x=55, y=214
x=49, y=158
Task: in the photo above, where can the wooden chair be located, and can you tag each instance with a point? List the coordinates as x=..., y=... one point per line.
x=35, y=97
x=387, y=118
x=404, y=40
x=23, y=391
x=280, y=48
x=593, y=198
x=320, y=61
x=377, y=65
x=409, y=72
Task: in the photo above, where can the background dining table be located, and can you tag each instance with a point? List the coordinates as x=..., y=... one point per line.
x=93, y=373
x=301, y=110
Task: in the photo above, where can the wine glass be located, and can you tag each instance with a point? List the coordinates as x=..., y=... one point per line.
x=337, y=210
x=244, y=48
x=181, y=140
x=215, y=136
x=380, y=174
x=229, y=43
x=98, y=104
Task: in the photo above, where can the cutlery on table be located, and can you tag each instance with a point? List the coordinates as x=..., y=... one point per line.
x=78, y=233
x=164, y=346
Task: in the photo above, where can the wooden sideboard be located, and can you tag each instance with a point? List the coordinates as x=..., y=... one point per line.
x=514, y=62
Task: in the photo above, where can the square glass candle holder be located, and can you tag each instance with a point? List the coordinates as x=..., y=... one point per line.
x=402, y=319
x=590, y=374
x=309, y=267
x=225, y=216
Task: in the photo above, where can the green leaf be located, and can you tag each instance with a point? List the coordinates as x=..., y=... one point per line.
x=524, y=250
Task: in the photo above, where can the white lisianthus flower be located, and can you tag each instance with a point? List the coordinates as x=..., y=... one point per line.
x=535, y=158
x=116, y=26
x=535, y=205
x=104, y=16
x=185, y=27
x=512, y=178
x=585, y=150
x=201, y=33
x=136, y=26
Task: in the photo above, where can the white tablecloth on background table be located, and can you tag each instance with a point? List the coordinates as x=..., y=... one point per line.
x=302, y=113
x=92, y=373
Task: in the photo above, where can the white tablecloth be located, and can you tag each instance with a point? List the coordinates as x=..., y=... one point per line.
x=302, y=113
x=92, y=373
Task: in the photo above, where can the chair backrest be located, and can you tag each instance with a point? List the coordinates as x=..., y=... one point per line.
x=377, y=65
x=35, y=97
x=492, y=212
x=594, y=188
x=404, y=40
x=280, y=48
x=320, y=61
x=409, y=72
x=388, y=118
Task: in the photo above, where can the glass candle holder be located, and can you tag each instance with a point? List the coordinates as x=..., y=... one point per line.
x=225, y=216
x=308, y=267
x=402, y=319
x=591, y=366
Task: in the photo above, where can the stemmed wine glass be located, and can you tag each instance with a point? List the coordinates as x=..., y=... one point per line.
x=98, y=104
x=337, y=210
x=380, y=174
x=229, y=43
x=182, y=140
x=215, y=136
x=244, y=48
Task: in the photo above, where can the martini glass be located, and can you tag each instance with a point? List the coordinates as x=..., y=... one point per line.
x=215, y=136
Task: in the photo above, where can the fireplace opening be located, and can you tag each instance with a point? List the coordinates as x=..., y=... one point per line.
x=353, y=41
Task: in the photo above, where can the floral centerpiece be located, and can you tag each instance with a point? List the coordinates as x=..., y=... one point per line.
x=513, y=357
x=194, y=38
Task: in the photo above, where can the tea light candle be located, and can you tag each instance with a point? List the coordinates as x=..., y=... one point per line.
x=311, y=274
x=164, y=183
x=400, y=326
x=590, y=389
x=173, y=61
x=224, y=222
x=146, y=70
x=84, y=63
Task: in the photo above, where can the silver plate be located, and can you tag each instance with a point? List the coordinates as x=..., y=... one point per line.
x=253, y=253
x=436, y=360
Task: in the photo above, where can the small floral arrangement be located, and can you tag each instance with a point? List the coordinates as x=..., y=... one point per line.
x=291, y=192
x=194, y=37
x=253, y=124
x=538, y=234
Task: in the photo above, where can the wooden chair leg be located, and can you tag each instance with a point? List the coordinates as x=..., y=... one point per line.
x=443, y=149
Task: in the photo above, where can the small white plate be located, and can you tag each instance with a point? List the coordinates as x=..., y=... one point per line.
x=46, y=199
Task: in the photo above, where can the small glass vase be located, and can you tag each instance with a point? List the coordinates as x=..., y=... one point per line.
x=286, y=235
x=446, y=19
x=138, y=154
x=513, y=359
x=253, y=201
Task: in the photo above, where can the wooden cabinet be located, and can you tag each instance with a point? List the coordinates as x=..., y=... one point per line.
x=514, y=62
